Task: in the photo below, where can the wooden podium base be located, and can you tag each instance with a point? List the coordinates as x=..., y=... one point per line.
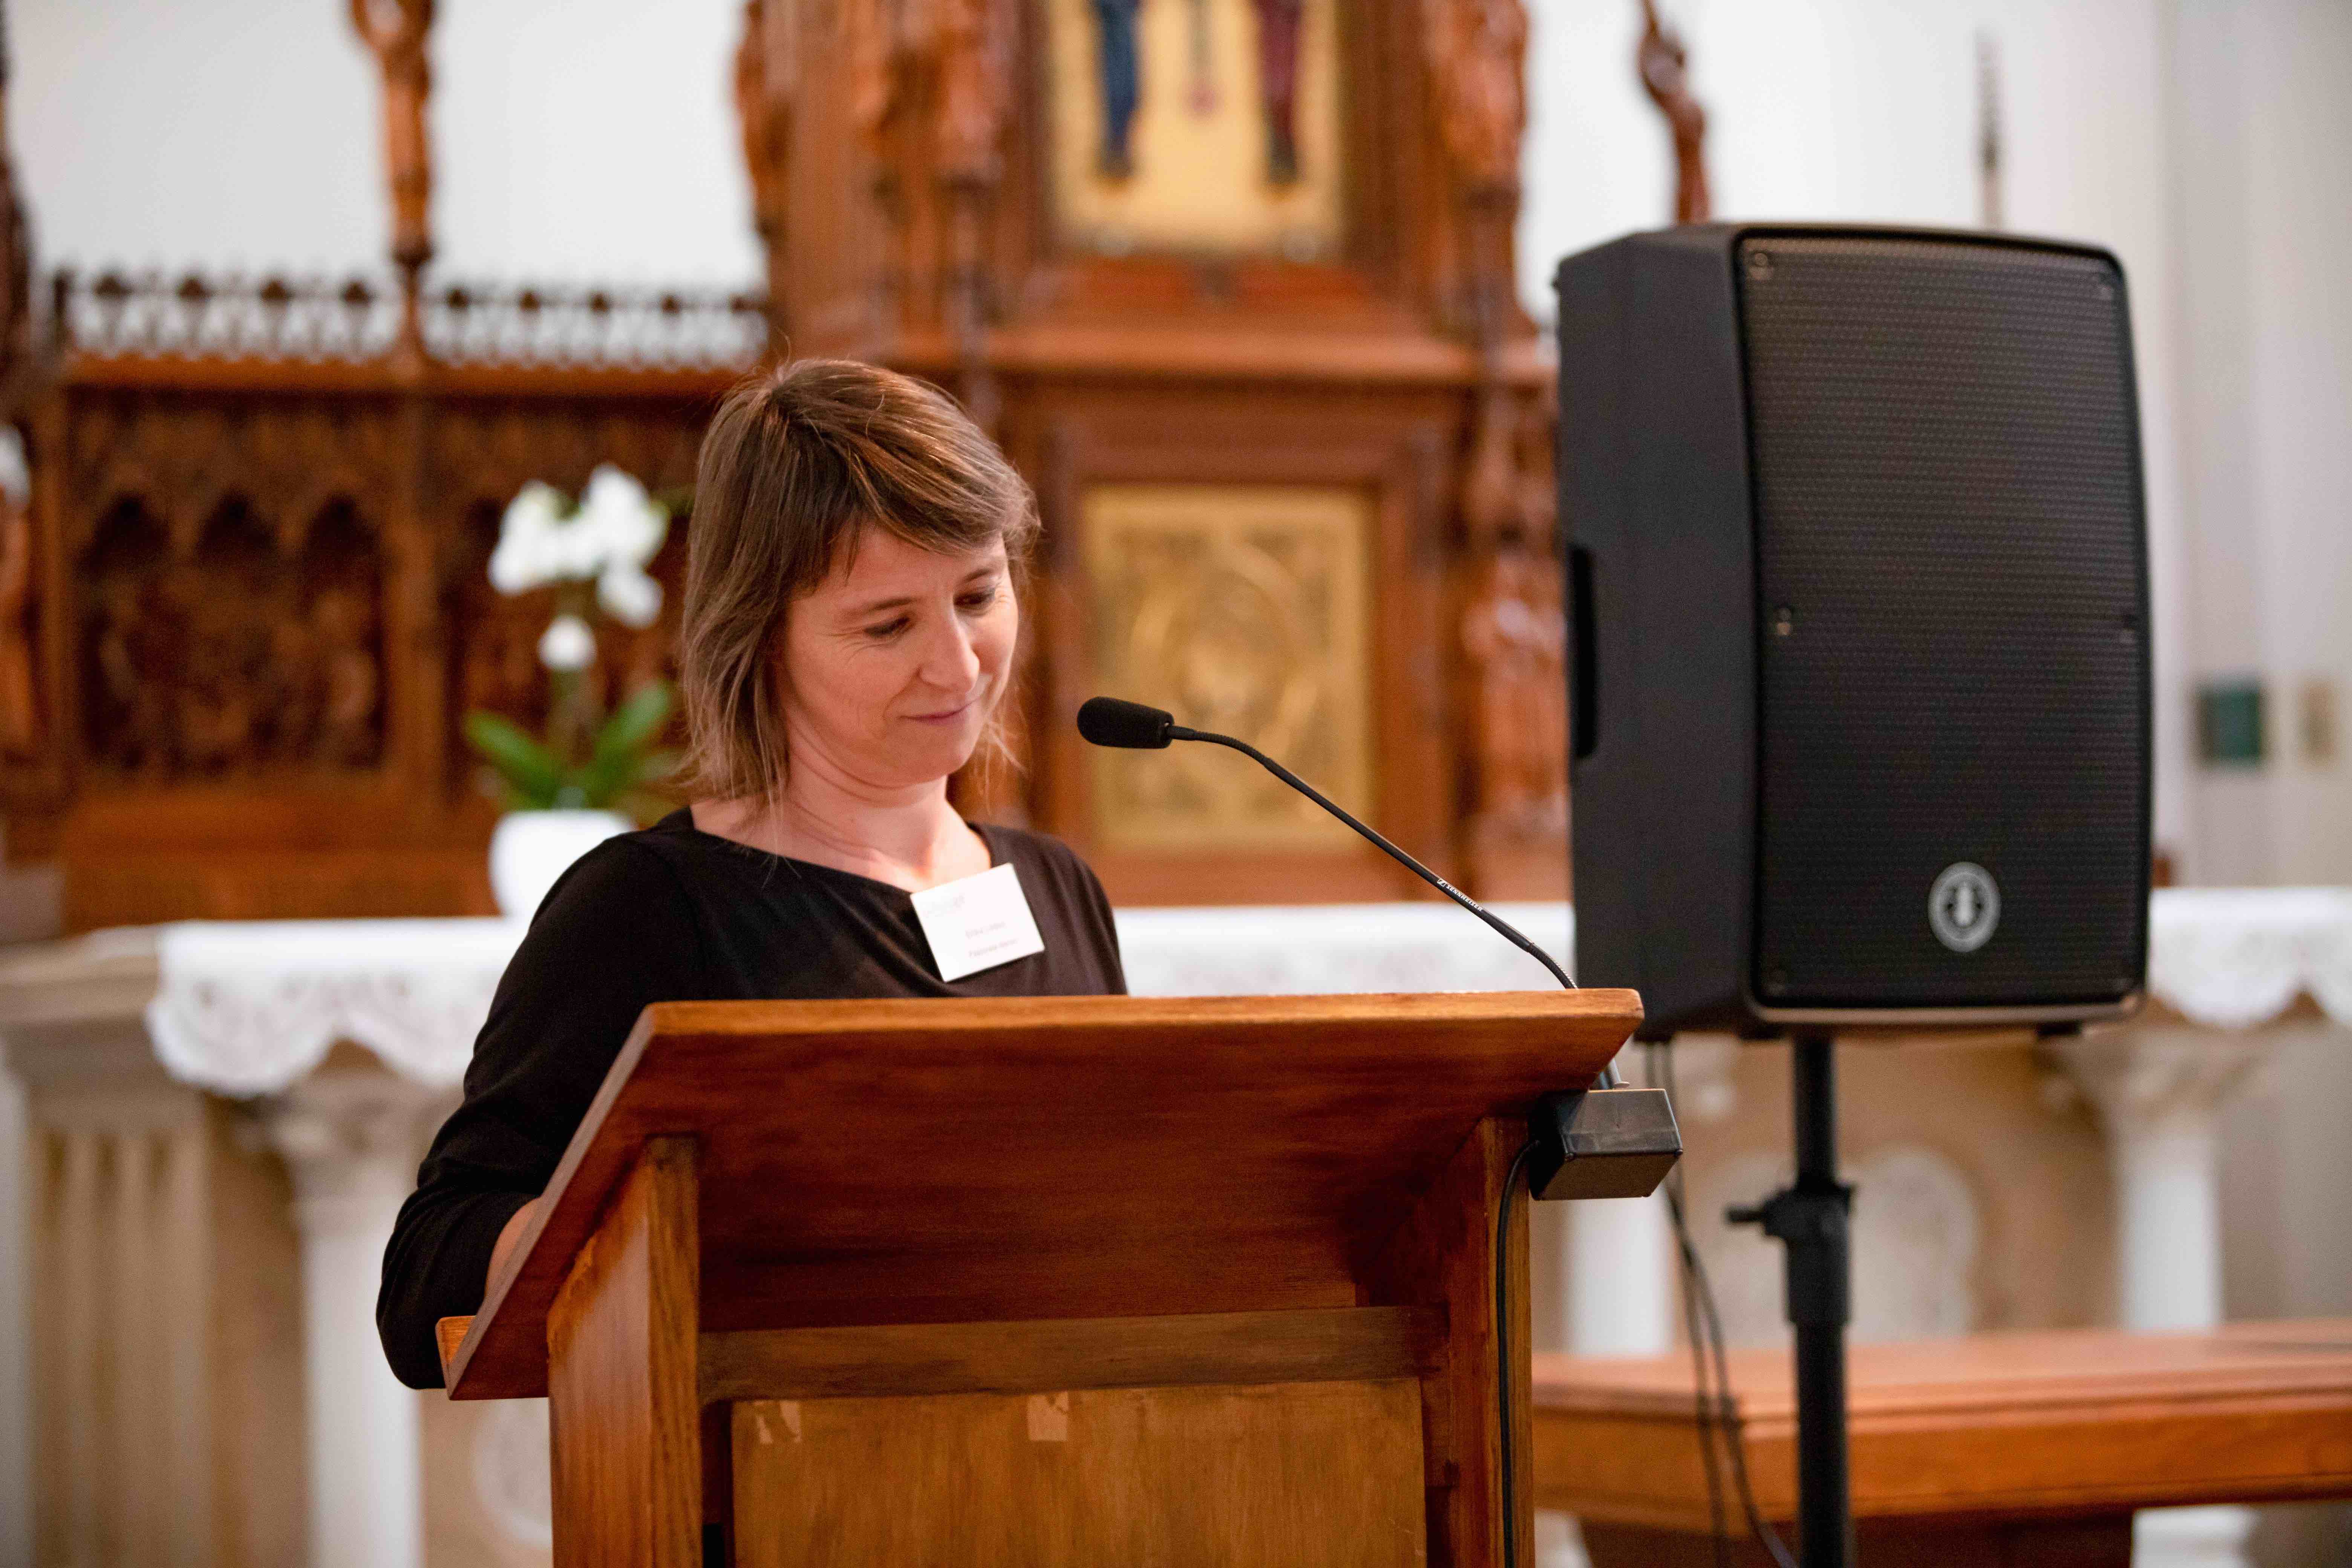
x=1049, y=1280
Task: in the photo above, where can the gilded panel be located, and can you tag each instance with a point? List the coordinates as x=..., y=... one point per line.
x=1243, y=609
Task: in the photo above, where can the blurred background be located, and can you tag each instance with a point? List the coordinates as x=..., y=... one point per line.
x=299, y=294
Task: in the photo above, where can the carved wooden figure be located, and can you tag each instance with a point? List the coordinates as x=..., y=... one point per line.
x=1663, y=65
x=396, y=32
x=1514, y=635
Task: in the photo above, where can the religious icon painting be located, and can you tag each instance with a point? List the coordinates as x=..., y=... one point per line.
x=1196, y=126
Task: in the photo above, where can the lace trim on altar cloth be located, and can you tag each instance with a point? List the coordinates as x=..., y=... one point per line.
x=248, y=1007
x=2234, y=957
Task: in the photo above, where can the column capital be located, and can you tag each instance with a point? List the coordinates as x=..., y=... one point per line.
x=2137, y=1079
x=2157, y=1091
x=344, y=1131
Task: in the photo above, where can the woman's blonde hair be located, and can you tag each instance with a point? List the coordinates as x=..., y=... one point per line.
x=796, y=462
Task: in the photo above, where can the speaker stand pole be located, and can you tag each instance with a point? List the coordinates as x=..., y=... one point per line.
x=1810, y=1218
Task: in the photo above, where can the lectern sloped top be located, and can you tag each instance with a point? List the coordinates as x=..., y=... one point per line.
x=936, y=1162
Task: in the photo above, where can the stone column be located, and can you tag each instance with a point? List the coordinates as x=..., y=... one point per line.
x=350, y=1139
x=1619, y=1277
x=131, y=1280
x=2159, y=1091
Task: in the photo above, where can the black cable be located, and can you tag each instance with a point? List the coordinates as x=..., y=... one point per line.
x=1506, y=1386
x=1661, y=1073
x=1733, y=1435
x=1132, y=724
x=1726, y=1407
x=1178, y=733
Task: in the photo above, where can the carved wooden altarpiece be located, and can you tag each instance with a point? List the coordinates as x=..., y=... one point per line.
x=1293, y=459
x=1216, y=273
x=259, y=600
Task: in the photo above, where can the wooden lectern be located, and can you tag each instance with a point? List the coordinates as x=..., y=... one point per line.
x=1047, y=1281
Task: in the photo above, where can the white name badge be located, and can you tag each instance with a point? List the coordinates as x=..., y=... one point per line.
x=977, y=923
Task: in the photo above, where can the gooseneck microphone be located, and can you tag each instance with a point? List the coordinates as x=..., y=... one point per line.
x=1112, y=721
x=1607, y=1142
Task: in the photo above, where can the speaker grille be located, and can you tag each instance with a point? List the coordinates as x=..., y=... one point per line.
x=1950, y=600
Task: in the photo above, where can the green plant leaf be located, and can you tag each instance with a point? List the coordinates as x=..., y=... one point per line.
x=607, y=779
x=533, y=774
x=597, y=785
x=635, y=722
x=621, y=763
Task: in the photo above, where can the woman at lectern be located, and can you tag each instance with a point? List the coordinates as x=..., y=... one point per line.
x=847, y=633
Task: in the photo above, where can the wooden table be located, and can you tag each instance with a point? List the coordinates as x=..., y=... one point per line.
x=2009, y=1448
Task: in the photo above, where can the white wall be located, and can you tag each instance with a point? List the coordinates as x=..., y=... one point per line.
x=1866, y=110
x=592, y=139
x=2265, y=210
x=2209, y=142
x=150, y=132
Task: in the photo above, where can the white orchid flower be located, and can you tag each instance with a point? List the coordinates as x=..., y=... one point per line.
x=567, y=644
x=617, y=528
x=629, y=595
x=526, y=555
x=626, y=524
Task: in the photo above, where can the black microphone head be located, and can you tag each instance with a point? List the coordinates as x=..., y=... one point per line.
x=1114, y=721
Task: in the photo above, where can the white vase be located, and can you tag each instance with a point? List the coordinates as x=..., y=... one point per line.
x=530, y=849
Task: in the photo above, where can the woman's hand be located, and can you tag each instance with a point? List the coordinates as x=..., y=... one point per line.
x=509, y=1236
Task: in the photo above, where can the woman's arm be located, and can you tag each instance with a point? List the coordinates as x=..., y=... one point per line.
x=616, y=933
x=509, y=1236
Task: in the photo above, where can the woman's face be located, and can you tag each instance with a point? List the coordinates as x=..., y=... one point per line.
x=895, y=661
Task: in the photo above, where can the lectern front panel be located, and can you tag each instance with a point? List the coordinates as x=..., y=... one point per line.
x=1306, y=1475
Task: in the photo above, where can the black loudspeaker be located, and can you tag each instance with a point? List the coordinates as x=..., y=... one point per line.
x=1858, y=593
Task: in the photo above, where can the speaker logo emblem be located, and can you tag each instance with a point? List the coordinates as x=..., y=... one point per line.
x=1964, y=906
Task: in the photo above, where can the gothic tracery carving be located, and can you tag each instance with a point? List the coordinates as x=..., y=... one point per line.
x=234, y=655
x=232, y=614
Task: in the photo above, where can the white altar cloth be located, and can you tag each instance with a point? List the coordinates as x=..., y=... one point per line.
x=249, y=1007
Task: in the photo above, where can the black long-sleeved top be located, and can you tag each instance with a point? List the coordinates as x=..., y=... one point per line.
x=675, y=914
